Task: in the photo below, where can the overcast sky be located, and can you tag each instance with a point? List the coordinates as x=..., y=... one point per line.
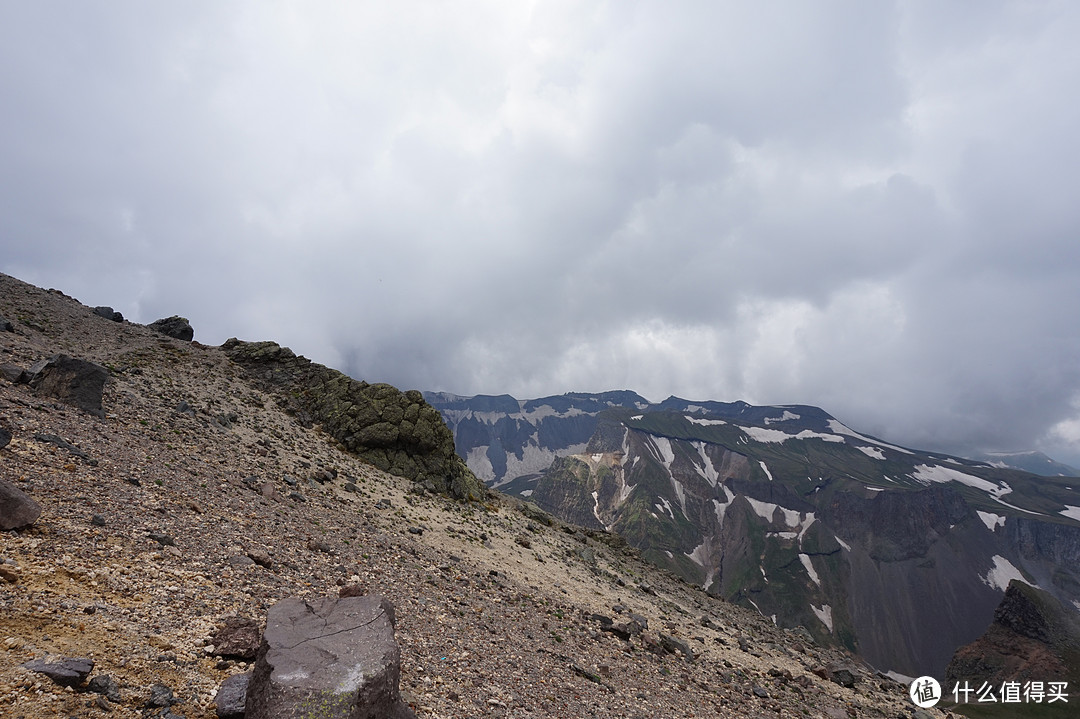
x=871, y=207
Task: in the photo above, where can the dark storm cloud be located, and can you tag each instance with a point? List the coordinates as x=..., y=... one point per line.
x=857, y=205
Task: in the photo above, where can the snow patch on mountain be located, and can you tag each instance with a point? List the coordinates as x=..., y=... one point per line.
x=665, y=506
x=664, y=453
x=927, y=473
x=805, y=559
x=700, y=557
x=534, y=459
x=785, y=417
x=706, y=468
x=703, y=422
x=991, y=520
x=1002, y=572
x=477, y=460
x=680, y=493
x=766, y=510
x=839, y=428
x=767, y=472
x=872, y=452
x=824, y=613
x=763, y=434
x=1071, y=512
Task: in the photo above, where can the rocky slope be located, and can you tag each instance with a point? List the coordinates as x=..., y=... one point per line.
x=1032, y=638
x=788, y=511
x=202, y=494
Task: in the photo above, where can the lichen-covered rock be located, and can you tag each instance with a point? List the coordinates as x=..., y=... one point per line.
x=396, y=431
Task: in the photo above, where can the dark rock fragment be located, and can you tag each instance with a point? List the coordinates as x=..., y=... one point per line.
x=232, y=696
x=68, y=672
x=176, y=327
x=17, y=509
x=70, y=380
x=108, y=313
x=105, y=685
x=62, y=444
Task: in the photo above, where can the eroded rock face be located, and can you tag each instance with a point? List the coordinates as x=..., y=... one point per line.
x=17, y=508
x=396, y=431
x=331, y=657
x=70, y=380
x=1033, y=637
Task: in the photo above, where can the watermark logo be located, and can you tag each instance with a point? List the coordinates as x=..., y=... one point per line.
x=925, y=692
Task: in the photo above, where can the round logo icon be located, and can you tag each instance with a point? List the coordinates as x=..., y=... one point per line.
x=925, y=692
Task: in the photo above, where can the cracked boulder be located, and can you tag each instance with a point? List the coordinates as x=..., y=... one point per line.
x=330, y=657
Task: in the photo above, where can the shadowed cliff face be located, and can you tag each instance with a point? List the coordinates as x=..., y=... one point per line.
x=396, y=431
x=1033, y=638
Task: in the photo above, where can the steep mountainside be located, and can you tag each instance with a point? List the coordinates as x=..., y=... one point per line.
x=193, y=493
x=788, y=511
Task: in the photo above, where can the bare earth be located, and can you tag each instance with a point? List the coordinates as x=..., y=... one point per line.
x=487, y=626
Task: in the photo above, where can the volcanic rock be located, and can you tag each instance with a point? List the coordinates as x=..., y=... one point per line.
x=176, y=327
x=70, y=380
x=331, y=657
x=17, y=509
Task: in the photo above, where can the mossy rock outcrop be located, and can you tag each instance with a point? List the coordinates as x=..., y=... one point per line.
x=396, y=431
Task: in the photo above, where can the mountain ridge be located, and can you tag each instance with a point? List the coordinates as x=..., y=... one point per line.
x=787, y=510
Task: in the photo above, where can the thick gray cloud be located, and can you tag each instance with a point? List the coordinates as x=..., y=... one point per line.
x=863, y=206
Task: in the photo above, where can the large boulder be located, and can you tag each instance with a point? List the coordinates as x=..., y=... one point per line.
x=396, y=431
x=331, y=657
x=70, y=380
x=108, y=313
x=176, y=327
x=17, y=509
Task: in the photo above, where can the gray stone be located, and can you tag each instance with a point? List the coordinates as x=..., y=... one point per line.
x=232, y=696
x=70, y=380
x=328, y=658
x=160, y=696
x=843, y=675
x=5, y=325
x=106, y=685
x=5, y=437
x=14, y=374
x=176, y=327
x=68, y=672
x=17, y=509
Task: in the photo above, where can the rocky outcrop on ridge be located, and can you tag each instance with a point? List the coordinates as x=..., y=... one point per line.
x=396, y=431
x=176, y=327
